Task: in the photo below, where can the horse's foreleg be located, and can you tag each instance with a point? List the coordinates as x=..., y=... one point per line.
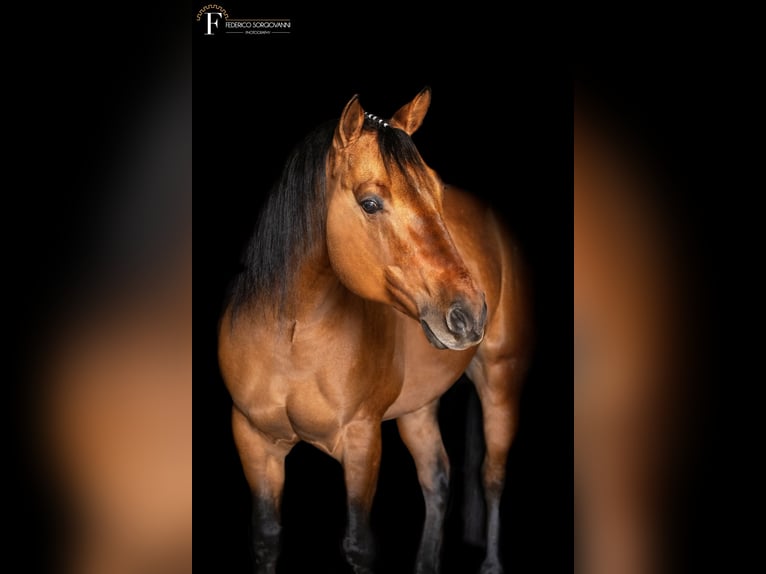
x=420, y=432
x=498, y=385
x=263, y=462
x=361, y=462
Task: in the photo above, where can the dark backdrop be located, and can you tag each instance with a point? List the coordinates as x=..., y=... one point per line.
x=499, y=126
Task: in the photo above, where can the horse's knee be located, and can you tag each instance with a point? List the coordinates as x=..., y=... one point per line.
x=493, y=474
x=436, y=478
x=441, y=477
x=500, y=415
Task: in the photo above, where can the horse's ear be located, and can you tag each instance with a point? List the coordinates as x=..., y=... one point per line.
x=350, y=124
x=410, y=116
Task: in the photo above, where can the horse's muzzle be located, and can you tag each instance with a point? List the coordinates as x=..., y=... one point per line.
x=459, y=328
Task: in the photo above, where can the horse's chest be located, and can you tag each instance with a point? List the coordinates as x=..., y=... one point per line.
x=321, y=379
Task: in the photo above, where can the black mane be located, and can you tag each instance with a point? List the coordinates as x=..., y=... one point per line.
x=293, y=219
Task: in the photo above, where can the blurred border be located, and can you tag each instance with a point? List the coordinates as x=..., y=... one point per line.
x=100, y=127
x=688, y=93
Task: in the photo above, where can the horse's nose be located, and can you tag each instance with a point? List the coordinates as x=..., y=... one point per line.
x=465, y=324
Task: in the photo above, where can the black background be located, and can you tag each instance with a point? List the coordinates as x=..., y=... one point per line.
x=499, y=127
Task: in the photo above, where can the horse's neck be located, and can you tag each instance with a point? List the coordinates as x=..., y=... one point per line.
x=315, y=289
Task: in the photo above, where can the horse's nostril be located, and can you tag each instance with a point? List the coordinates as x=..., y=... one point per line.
x=458, y=321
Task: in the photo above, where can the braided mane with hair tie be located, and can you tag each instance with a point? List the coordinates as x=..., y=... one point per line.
x=375, y=118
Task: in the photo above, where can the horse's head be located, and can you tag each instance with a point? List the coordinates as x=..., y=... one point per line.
x=386, y=233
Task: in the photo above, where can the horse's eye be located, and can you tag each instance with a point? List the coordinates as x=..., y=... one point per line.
x=371, y=205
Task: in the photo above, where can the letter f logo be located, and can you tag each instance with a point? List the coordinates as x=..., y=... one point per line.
x=211, y=22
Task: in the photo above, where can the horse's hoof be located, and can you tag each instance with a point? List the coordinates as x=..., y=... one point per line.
x=491, y=568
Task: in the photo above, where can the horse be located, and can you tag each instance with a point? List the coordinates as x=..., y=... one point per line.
x=369, y=287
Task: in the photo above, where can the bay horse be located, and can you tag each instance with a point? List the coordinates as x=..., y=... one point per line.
x=369, y=287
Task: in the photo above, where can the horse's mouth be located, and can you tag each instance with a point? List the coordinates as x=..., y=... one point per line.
x=452, y=343
x=431, y=336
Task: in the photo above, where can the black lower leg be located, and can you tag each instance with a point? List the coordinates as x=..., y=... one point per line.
x=492, y=564
x=358, y=543
x=429, y=553
x=266, y=530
